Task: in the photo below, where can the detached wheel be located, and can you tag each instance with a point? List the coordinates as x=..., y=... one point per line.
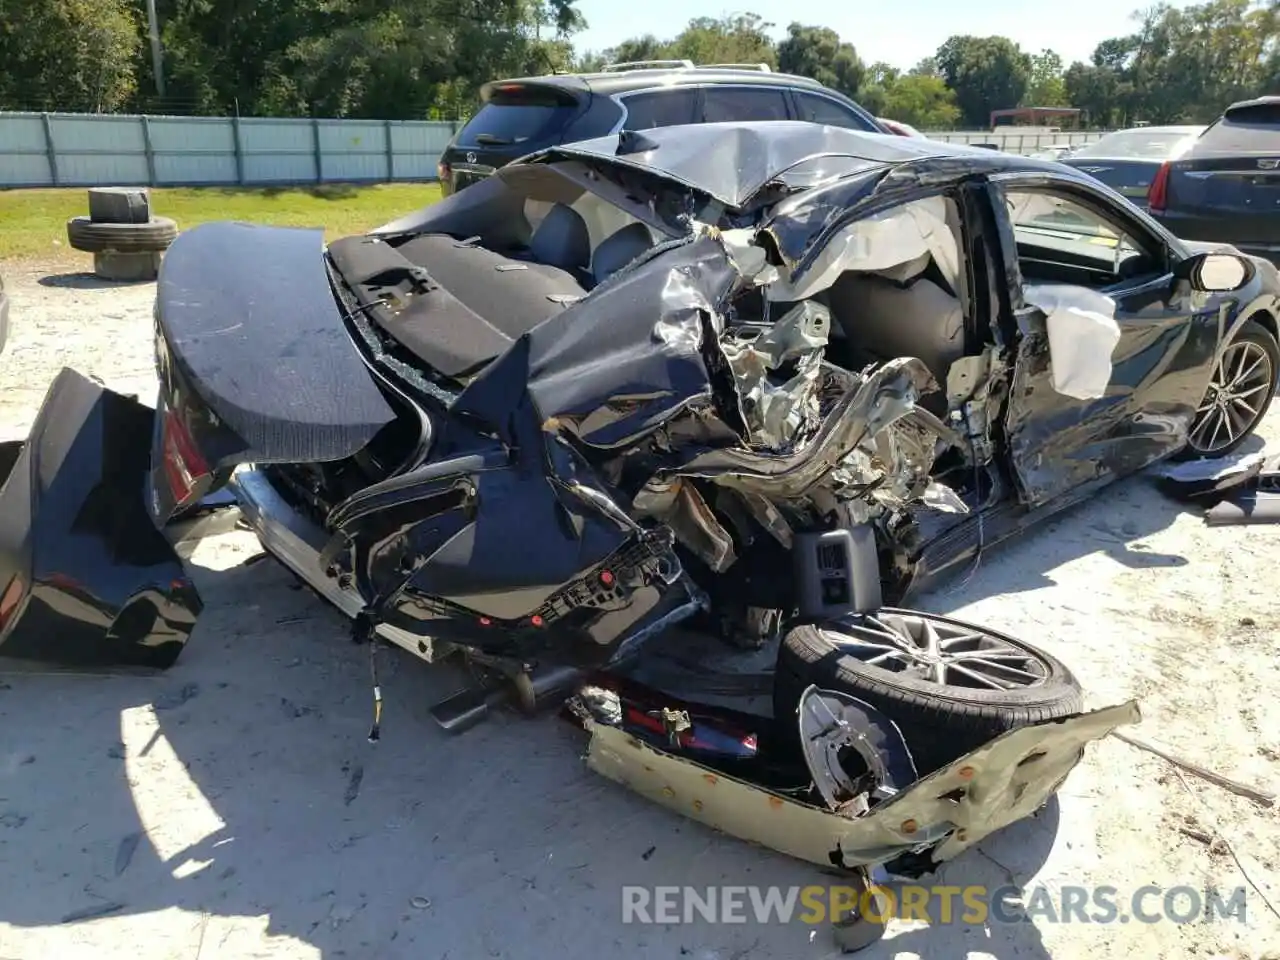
x=950, y=686
x=1239, y=394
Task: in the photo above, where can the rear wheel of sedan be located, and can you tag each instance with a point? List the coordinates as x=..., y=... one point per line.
x=1239, y=393
x=950, y=686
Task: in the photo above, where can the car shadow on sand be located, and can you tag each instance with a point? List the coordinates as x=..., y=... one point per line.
x=86, y=280
x=1116, y=521
x=240, y=788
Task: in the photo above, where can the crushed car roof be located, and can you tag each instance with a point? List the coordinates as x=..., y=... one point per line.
x=732, y=161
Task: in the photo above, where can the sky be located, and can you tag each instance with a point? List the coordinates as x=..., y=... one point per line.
x=899, y=33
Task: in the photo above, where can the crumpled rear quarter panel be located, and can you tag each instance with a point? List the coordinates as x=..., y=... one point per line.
x=1002, y=782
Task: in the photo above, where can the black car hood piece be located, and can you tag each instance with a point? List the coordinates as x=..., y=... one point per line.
x=253, y=328
x=732, y=161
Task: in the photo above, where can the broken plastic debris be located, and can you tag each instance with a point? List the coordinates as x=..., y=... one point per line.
x=940, y=497
x=1195, y=471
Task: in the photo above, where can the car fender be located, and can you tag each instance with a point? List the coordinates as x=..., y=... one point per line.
x=86, y=579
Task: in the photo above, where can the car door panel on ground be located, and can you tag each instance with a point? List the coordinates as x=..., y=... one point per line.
x=1068, y=236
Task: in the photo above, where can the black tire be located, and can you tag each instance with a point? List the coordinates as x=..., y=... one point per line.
x=1254, y=332
x=939, y=722
x=150, y=237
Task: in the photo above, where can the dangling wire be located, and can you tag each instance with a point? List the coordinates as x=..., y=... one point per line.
x=375, y=732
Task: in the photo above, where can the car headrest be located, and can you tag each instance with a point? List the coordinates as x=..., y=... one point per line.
x=619, y=249
x=562, y=239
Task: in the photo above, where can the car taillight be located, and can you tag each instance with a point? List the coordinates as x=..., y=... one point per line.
x=184, y=467
x=9, y=600
x=1158, y=192
x=443, y=171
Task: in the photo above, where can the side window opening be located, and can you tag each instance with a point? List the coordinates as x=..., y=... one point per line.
x=816, y=109
x=667, y=108
x=724, y=103
x=1061, y=240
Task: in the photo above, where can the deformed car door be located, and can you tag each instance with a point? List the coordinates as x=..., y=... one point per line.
x=1062, y=236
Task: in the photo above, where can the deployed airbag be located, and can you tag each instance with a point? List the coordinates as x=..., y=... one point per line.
x=1083, y=333
x=879, y=242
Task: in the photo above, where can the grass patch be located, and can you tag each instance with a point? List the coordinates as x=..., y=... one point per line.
x=33, y=222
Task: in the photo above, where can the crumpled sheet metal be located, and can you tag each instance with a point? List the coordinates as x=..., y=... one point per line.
x=881, y=241
x=681, y=507
x=1002, y=782
x=1083, y=333
x=610, y=371
x=733, y=161
x=776, y=413
x=880, y=399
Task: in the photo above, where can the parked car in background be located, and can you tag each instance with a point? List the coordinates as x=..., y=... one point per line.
x=1056, y=151
x=1226, y=187
x=1128, y=160
x=521, y=116
x=900, y=128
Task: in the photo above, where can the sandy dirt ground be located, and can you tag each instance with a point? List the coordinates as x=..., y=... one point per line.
x=233, y=808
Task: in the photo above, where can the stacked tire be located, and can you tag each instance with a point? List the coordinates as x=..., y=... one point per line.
x=126, y=241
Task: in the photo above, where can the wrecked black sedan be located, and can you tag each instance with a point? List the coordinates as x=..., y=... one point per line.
x=762, y=378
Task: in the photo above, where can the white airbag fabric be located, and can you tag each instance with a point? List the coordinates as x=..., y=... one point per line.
x=880, y=242
x=1083, y=333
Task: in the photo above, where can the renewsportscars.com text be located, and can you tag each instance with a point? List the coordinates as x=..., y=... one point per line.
x=937, y=904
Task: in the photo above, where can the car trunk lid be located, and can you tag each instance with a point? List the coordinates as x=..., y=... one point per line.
x=255, y=362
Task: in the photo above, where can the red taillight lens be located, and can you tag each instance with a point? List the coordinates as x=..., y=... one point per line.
x=443, y=171
x=9, y=600
x=184, y=467
x=1158, y=192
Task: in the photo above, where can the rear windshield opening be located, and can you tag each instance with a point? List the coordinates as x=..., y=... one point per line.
x=518, y=116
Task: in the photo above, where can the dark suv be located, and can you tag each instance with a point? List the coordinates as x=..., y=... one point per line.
x=1225, y=188
x=524, y=115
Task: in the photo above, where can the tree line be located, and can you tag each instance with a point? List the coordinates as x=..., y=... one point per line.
x=415, y=59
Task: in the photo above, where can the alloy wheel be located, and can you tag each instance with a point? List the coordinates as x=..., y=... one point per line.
x=1236, y=398
x=939, y=652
